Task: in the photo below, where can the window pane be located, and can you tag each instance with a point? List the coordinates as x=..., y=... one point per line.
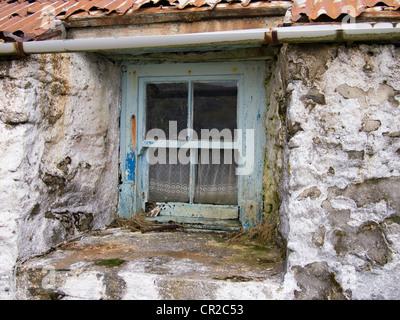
x=168, y=181
x=214, y=107
x=166, y=102
x=216, y=179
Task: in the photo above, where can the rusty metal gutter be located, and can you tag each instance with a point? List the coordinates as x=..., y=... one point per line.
x=293, y=34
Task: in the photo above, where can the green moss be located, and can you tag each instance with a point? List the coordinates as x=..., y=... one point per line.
x=55, y=296
x=339, y=233
x=336, y=293
x=393, y=219
x=110, y=262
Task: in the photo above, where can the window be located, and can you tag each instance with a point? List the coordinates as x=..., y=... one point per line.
x=196, y=126
x=192, y=111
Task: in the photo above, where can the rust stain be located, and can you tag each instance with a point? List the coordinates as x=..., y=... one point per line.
x=133, y=131
x=234, y=69
x=189, y=72
x=60, y=88
x=274, y=35
x=19, y=49
x=134, y=81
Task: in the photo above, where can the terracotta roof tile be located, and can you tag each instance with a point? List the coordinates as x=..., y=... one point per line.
x=334, y=8
x=30, y=19
x=31, y=16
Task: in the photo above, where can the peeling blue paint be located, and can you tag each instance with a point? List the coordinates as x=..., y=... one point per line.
x=246, y=225
x=125, y=204
x=130, y=166
x=134, y=168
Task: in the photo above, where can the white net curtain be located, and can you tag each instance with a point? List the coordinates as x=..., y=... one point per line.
x=211, y=177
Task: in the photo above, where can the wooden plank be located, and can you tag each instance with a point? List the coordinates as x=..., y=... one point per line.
x=125, y=202
x=198, y=210
x=202, y=144
x=173, y=14
x=237, y=54
x=169, y=28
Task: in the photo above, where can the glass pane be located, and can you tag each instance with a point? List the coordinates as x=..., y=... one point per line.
x=168, y=179
x=214, y=107
x=166, y=102
x=216, y=179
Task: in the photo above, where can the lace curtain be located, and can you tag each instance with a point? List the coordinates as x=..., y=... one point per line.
x=169, y=182
x=213, y=183
x=214, y=107
x=216, y=183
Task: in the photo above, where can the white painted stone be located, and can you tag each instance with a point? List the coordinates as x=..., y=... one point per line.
x=58, y=106
x=53, y=107
x=338, y=127
x=85, y=286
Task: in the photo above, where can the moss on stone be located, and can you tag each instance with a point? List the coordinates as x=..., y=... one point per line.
x=110, y=262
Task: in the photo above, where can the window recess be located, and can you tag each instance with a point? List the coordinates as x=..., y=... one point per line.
x=192, y=121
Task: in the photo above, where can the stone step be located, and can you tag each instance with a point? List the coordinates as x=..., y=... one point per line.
x=120, y=264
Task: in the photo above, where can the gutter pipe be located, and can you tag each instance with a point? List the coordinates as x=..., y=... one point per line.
x=291, y=34
x=335, y=33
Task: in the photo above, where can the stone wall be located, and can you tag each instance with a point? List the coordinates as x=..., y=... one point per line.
x=59, y=129
x=341, y=187
x=276, y=133
x=331, y=172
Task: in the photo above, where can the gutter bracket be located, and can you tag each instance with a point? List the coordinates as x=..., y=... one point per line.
x=271, y=37
x=19, y=48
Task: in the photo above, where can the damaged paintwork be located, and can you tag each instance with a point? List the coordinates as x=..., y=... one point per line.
x=134, y=167
x=199, y=210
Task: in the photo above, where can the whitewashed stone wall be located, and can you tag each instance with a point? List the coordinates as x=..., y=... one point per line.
x=59, y=141
x=341, y=184
x=332, y=170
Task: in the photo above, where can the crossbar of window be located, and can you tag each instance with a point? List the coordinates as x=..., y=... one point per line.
x=191, y=144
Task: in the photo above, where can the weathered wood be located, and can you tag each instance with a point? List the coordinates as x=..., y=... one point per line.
x=251, y=109
x=242, y=54
x=163, y=228
x=173, y=14
x=183, y=27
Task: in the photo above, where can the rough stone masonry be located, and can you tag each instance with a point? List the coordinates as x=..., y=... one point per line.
x=59, y=134
x=331, y=175
x=341, y=187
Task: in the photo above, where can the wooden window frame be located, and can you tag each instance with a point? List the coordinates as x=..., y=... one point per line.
x=250, y=110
